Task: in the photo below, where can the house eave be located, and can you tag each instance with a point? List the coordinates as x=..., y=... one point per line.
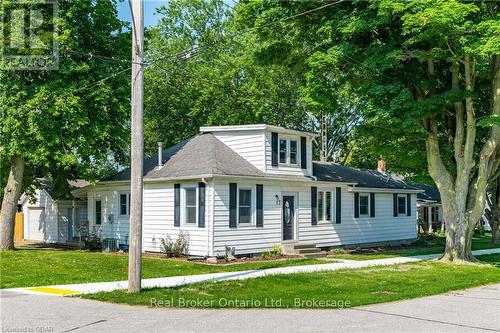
x=255, y=127
x=382, y=190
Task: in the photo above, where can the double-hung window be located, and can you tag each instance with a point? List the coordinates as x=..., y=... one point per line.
x=245, y=206
x=283, y=151
x=325, y=205
x=363, y=204
x=98, y=212
x=125, y=204
x=288, y=151
x=401, y=204
x=293, y=152
x=190, y=204
x=321, y=206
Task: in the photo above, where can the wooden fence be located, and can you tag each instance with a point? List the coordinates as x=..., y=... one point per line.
x=19, y=227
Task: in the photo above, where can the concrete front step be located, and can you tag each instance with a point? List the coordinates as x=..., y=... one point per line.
x=308, y=250
x=314, y=255
x=304, y=246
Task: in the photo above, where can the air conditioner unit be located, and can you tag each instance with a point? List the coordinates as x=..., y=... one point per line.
x=109, y=245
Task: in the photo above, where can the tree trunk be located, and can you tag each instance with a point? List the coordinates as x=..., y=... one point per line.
x=463, y=196
x=494, y=211
x=12, y=192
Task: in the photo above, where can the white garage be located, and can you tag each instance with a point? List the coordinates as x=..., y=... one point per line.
x=53, y=221
x=35, y=224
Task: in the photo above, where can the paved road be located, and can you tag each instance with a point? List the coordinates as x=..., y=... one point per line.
x=473, y=310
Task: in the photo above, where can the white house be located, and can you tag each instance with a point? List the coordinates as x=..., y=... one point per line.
x=252, y=187
x=50, y=220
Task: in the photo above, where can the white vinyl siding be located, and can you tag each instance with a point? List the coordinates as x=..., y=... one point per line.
x=158, y=218
x=248, y=144
x=351, y=231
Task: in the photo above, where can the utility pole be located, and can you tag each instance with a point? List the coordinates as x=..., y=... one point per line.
x=137, y=149
x=323, y=154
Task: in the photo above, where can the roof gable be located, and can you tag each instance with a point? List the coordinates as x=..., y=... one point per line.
x=199, y=155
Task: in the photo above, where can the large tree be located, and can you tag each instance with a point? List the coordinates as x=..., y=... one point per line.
x=65, y=123
x=219, y=82
x=429, y=69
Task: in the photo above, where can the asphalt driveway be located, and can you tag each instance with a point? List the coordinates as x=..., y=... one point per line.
x=473, y=310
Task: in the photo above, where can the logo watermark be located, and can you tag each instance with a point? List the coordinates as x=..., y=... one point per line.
x=249, y=303
x=28, y=35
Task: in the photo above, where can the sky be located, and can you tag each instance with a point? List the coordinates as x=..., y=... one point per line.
x=150, y=7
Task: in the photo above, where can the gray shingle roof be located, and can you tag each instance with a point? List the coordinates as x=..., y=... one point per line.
x=431, y=193
x=364, y=178
x=202, y=154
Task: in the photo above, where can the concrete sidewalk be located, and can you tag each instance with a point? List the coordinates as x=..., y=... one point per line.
x=473, y=310
x=173, y=281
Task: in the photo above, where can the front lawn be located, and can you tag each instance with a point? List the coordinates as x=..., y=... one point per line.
x=420, y=247
x=321, y=289
x=30, y=268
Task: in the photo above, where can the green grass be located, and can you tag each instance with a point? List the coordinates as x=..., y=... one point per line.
x=30, y=268
x=420, y=247
x=358, y=287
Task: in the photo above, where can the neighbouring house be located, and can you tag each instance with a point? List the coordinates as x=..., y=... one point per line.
x=54, y=221
x=429, y=208
x=249, y=188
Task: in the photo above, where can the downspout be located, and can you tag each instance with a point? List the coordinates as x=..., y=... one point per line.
x=73, y=219
x=207, y=220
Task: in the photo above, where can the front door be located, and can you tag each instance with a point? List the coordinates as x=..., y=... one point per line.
x=288, y=216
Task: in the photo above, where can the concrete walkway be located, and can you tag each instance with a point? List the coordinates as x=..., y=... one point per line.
x=173, y=281
x=473, y=310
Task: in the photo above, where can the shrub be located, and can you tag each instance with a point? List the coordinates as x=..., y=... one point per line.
x=93, y=242
x=177, y=247
x=276, y=251
x=338, y=250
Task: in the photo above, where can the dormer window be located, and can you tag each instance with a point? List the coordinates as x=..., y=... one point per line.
x=283, y=151
x=293, y=152
x=288, y=151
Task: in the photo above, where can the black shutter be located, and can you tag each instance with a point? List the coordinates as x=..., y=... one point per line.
x=408, y=204
x=260, y=205
x=338, y=203
x=372, y=204
x=395, y=203
x=314, y=205
x=201, y=205
x=356, y=204
x=232, y=205
x=274, y=149
x=177, y=205
x=303, y=152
